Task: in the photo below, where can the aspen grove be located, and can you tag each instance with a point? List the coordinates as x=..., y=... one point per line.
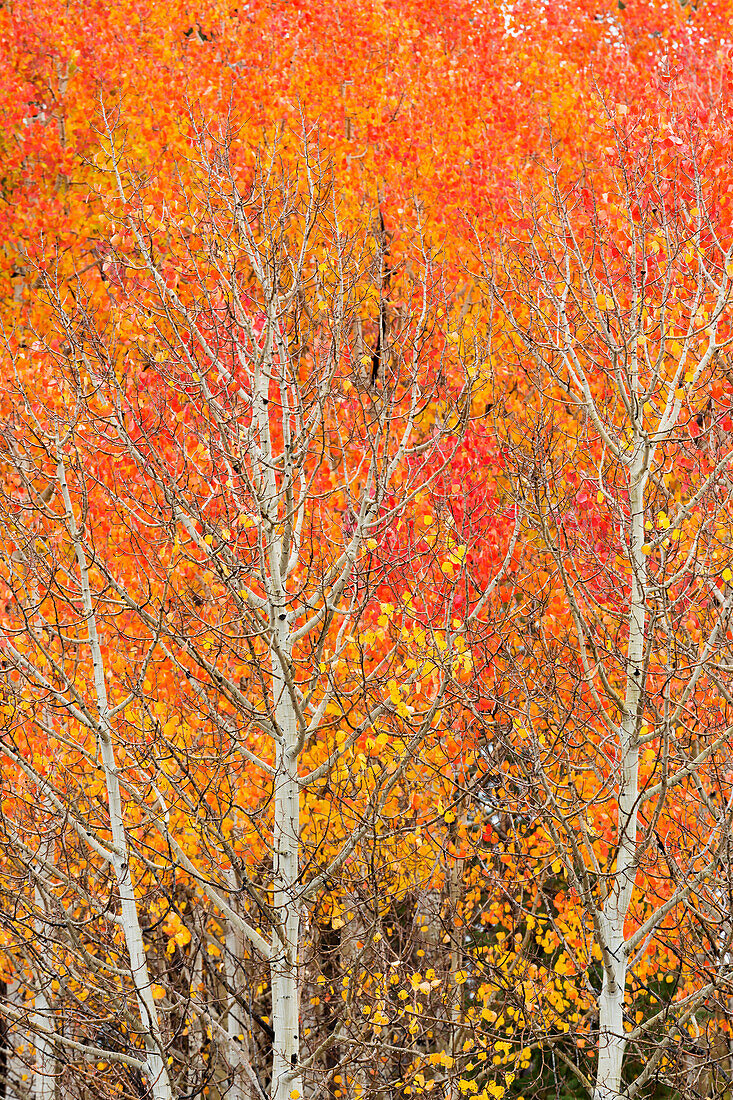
x=366, y=593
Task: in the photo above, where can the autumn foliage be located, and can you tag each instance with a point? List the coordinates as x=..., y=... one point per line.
x=365, y=509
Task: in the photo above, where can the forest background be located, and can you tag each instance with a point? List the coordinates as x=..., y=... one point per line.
x=365, y=527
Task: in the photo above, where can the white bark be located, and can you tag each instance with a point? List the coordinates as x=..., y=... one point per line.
x=286, y=822
x=240, y=1087
x=129, y=920
x=284, y=963
x=612, y=1038
x=44, y=1085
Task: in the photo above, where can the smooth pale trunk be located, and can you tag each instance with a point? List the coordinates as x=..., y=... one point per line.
x=238, y=1090
x=612, y=1041
x=612, y=1037
x=196, y=1026
x=284, y=965
x=158, y=1082
x=44, y=1085
x=157, y=1072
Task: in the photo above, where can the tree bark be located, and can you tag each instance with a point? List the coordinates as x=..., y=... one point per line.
x=611, y=1038
x=129, y=920
x=286, y=1078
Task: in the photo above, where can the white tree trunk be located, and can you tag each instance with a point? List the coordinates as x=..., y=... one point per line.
x=286, y=1078
x=157, y=1071
x=612, y=1039
x=240, y=1088
x=44, y=1084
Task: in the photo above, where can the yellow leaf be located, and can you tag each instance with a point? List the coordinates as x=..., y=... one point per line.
x=460, y=977
x=646, y=549
x=727, y=575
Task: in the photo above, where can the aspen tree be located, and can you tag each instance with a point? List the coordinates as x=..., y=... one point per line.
x=616, y=307
x=237, y=695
